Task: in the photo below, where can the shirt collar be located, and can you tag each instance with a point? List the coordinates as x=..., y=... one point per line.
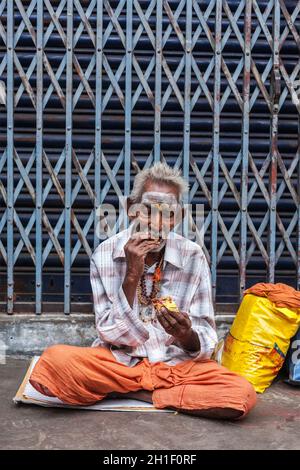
x=172, y=250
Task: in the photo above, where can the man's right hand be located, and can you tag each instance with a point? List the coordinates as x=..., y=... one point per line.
x=136, y=250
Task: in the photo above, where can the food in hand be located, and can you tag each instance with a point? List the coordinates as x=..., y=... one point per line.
x=166, y=302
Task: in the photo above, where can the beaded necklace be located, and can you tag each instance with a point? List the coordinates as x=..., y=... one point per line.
x=147, y=310
x=143, y=297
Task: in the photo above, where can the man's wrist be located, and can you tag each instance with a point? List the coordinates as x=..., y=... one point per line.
x=190, y=340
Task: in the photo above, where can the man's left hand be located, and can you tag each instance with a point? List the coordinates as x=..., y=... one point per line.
x=177, y=324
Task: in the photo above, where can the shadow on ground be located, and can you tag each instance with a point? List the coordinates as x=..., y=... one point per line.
x=273, y=424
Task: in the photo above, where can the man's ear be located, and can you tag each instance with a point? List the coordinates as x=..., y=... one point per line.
x=129, y=204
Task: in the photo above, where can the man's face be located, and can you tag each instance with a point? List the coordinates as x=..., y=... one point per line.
x=158, y=211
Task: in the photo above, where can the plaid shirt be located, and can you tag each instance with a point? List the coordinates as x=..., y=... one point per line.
x=186, y=278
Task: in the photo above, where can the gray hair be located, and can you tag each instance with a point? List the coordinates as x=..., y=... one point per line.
x=160, y=172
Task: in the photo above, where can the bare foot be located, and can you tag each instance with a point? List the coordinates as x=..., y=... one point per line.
x=41, y=388
x=213, y=413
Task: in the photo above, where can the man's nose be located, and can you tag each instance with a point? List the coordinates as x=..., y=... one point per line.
x=155, y=221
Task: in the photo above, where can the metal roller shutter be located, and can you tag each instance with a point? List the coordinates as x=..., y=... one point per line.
x=96, y=90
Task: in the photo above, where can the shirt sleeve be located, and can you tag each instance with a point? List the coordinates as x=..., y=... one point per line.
x=116, y=322
x=201, y=313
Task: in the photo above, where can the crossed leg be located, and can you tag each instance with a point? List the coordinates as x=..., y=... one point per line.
x=79, y=375
x=212, y=413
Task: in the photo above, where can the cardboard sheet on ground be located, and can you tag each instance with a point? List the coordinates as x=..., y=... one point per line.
x=28, y=395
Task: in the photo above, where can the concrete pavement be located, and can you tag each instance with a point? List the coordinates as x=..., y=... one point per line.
x=273, y=424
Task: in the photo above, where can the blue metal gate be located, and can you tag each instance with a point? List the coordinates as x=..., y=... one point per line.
x=98, y=89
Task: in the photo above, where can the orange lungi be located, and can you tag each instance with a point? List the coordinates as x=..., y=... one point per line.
x=85, y=375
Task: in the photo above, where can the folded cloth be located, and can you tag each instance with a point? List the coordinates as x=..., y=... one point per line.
x=281, y=294
x=85, y=375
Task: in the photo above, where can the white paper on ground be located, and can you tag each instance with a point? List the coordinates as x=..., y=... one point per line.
x=31, y=396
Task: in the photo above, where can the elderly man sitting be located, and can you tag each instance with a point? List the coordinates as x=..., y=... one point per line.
x=149, y=353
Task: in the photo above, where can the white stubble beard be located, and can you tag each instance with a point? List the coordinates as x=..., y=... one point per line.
x=159, y=248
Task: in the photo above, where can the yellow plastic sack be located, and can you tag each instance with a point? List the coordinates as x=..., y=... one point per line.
x=259, y=340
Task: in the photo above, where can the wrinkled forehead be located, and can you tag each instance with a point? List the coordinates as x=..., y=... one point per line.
x=156, y=197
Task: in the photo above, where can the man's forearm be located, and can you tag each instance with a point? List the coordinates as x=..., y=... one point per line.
x=129, y=287
x=190, y=342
